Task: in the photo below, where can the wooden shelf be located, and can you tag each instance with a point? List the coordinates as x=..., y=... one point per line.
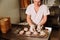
x=23, y=8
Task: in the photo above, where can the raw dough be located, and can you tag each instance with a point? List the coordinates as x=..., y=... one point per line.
x=42, y=33
x=28, y=33
x=25, y=29
x=35, y=33
x=21, y=32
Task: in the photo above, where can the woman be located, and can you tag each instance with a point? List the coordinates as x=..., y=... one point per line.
x=37, y=14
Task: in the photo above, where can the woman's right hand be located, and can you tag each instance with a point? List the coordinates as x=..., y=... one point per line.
x=32, y=28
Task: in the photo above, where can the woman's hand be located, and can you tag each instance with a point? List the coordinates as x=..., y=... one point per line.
x=32, y=28
x=39, y=27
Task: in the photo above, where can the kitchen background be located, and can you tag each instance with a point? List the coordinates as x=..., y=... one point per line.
x=53, y=5
x=16, y=10
x=10, y=8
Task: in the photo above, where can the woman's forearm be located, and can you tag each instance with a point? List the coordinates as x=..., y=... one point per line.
x=29, y=20
x=43, y=21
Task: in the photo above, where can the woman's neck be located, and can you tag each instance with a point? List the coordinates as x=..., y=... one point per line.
x=36, y=5
x=36, y=8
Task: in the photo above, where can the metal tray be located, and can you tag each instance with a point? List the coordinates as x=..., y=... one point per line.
x=49, y=32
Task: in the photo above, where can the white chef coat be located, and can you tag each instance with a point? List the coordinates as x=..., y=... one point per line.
x=36, y=17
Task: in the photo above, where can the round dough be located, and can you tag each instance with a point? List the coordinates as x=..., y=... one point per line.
x=21, y=32
x=28, y=33
x=25, y=29
x=35, y=33
x=42, y=33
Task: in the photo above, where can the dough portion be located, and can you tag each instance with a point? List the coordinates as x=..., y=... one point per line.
x=42, y=33
x=25, y=29
x=35, y=33
x=28, y=33
x=21, y=32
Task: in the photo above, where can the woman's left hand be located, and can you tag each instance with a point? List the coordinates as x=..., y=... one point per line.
x=39, y=27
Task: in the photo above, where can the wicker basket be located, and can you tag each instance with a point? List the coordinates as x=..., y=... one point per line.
x=5, y=24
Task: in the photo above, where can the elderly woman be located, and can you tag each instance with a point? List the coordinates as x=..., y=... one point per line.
x=37, y=14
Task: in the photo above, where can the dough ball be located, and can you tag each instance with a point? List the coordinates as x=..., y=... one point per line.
x=25, y=29
x=35, y=33
x=21, y=32
x=42, y=33
x=28, y=33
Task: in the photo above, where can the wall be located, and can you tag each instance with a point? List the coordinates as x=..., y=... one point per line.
x=10, y=8
x=53, y=2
